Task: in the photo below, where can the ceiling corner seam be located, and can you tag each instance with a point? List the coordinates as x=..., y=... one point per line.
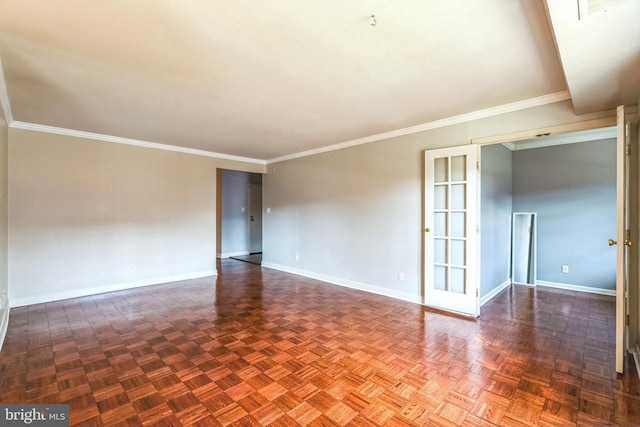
x=34, y=127
x=538, y=101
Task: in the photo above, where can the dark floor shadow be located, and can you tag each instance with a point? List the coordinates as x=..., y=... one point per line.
x=251, y=258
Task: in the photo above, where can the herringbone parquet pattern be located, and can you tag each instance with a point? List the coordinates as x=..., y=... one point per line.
x=260, y=347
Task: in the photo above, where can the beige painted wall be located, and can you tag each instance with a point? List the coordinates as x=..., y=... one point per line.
x=355, y=216
x=82, y=212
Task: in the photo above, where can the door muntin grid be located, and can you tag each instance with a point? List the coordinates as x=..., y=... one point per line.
x=450, y=224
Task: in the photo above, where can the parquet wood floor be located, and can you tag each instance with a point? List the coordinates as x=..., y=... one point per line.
x=260, y=347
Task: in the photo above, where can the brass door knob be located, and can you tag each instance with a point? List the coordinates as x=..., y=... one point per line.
x=612, y=242
x=628, y=243
x=427, y=230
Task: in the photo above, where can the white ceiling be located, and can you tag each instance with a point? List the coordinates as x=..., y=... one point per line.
x=268, y=79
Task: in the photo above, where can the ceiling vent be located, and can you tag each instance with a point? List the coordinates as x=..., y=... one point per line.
x=591, y=7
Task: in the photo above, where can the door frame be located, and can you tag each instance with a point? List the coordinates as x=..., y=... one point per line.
x=533, y=244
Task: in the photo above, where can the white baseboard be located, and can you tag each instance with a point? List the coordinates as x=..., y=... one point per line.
x=599, y=291
x=527, y=285
x=502, y=286
x=38, y=299
x=416, y=299
x=4, y=323
x=230, y=254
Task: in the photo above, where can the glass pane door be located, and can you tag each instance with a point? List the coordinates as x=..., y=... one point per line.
x=450, y=218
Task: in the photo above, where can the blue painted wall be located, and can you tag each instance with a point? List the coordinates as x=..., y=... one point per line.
x=496, y=201
x=573, y=190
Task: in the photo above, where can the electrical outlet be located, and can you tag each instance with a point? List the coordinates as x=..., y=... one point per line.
x=565, y=268
x=133, y=268
x=297, y=257
x=401, y=276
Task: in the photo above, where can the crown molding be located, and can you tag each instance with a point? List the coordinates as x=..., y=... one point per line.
x=128, y=141
x=462, y=118
x=4, y=97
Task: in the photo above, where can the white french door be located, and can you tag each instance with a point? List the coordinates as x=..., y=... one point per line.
x=451, y=190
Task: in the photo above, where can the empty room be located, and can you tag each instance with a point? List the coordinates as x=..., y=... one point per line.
x=376, y=158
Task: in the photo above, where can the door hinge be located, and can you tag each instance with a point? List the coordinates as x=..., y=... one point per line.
x=628, y=320
x=627, y=235
x=478, y=164
x=478, y=294
x=477, y=229
x=627, y=149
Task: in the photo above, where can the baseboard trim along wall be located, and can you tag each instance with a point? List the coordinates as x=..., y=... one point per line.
x=488, y=297
x=599, y=291
x=75, y=293
x=230, y=254
x=416, y=299
x=4, y=323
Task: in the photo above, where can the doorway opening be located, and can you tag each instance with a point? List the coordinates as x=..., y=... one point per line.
x=569, y=182
x=239, y=234
x=625, y=140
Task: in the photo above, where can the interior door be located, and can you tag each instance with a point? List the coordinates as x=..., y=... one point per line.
x=451, y=191
x=255, y=218
x=623, y=235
